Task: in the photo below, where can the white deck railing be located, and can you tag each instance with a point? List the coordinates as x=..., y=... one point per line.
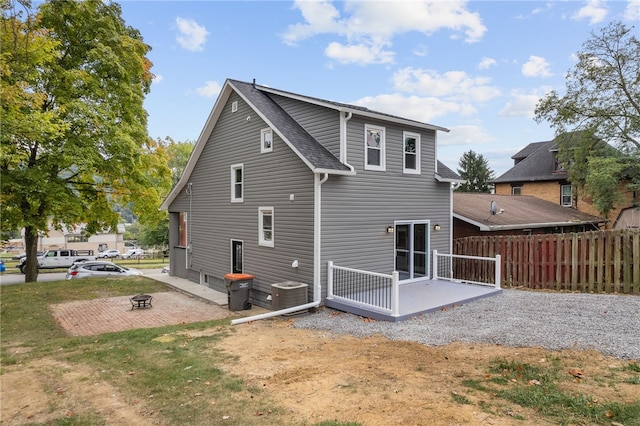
x=364, y=288
x=467, y=269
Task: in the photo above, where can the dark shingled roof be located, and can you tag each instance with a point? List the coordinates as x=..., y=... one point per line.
x=538, y=165
x=528, y=150
x=520, y=212
x=446, y=174
x=300, y=139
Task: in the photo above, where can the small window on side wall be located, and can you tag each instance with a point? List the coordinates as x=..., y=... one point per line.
x=374, y=147
x=237, y=183
x=266, y=140
x=411, y=156
x=234, y=106
x=516, y=190
x=265, y=226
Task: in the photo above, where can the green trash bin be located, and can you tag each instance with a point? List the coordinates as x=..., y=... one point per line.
x=238, y=291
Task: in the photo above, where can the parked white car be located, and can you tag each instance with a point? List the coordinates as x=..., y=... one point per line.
x=133, y=253
x=109, y=254
x=100, y=268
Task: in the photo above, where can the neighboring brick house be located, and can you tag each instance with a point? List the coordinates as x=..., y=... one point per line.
x=537, y=172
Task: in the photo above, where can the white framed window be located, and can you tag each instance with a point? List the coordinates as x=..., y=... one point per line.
x=234, y=106
x=411, y=157
x=237, y=183
x=516, y=190
x=265, y=226
x=266, y=140
x=566, y=196
x=374, y=147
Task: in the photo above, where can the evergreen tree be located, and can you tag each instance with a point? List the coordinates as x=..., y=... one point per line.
x=475, y=171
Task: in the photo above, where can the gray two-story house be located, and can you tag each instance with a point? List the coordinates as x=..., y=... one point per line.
x=279, y=184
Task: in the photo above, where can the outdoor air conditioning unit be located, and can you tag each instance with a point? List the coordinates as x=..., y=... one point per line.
x=288, y=294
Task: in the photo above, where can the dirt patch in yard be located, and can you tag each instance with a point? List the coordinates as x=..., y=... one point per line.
x=316, y=376
x=374, y=380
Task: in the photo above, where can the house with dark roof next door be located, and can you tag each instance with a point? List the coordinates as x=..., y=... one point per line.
x=279, y=184
x=537, y=172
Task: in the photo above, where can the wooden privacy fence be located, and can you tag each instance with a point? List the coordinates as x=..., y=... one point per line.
x=600, y=261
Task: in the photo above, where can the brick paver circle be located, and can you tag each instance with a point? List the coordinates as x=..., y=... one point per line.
x=105, y=315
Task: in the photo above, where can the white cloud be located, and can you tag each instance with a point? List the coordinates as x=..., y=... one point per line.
x=536, y=66
x=320, y=16
x=632, y=12
x=486, y=63
x=209, y=90
x=369, y=25
x=359, y=54
x=454, y=85
x=465, y=135
x=424, y=109
x=191, y=35
x=157, y=78
x=594, y=10
x=522, y=104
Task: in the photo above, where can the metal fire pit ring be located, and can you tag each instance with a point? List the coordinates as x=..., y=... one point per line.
x=141, y=301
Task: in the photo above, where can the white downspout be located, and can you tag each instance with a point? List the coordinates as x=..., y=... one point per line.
x=343, y=139
x=317, y=234
x=317, y=262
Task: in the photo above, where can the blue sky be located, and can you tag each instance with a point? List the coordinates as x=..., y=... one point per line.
x=475, y=67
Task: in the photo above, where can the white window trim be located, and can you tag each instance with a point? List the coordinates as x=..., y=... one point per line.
x=261, y=240
x=234, y=106
x=405, y=170
x=235, y=167
x=382, y=166
x=263, y=132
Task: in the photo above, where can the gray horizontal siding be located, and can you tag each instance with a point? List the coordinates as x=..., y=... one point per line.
x=269, y=179
x=356, y=210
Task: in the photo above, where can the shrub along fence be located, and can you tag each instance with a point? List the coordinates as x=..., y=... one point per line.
x=600, y=261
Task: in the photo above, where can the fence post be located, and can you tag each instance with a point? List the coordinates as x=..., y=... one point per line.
x=435, y=265
x=498, y=269
x=395, y=294
x=330, y=279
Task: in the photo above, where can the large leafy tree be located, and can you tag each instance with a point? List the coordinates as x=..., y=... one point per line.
x=475, y=171
x=602, y=103
x=74, y=139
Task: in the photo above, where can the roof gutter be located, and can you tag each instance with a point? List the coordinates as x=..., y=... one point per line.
x=485, y=227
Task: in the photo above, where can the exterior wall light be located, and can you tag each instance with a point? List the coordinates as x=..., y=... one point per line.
x=389, y=229
x=436, y=227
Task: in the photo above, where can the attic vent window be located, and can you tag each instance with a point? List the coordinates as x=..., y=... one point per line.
x=234, y=106
x=266, y=140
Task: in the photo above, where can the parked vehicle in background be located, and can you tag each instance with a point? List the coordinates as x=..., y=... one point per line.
x=165, y=270
x=52, y=259
x=133, y=253
x=100, y=268
x=109, y=254
x=21, y=255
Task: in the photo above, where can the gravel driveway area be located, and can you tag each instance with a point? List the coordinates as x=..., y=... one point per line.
x=607, y=323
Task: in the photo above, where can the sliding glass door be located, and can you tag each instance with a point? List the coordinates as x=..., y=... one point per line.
x=412, y=249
